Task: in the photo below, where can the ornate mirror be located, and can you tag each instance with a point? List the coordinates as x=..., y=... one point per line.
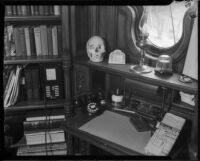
x=169, y=28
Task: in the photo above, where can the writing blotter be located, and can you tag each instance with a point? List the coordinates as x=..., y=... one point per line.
x=117, y=128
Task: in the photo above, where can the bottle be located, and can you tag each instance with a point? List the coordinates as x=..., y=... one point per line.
x=117, y=98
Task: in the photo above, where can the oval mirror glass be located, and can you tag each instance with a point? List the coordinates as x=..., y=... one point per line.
x=165, y=23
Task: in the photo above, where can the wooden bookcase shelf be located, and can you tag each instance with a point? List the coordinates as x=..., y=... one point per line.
x=32, y=59
x=31, y=18
x=183, y=105
x=35, y=105
x=124, y=71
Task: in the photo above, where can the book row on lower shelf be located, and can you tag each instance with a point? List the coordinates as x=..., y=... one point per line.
x=26, y=83
x=42, y=135
x=32, y=10
x=32, y=40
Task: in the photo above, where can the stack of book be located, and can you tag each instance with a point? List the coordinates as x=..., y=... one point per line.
x=32, y=10
x=11, y=91
x=42, y=135
x=32, y=40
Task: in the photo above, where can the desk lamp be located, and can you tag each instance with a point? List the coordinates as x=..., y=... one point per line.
x=142, y=44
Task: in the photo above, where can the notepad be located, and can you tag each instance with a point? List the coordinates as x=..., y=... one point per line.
x=118, y=129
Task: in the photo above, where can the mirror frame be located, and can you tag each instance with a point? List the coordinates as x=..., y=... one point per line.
x=179, y=50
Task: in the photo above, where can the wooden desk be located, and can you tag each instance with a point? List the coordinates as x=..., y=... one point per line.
x=71, y=126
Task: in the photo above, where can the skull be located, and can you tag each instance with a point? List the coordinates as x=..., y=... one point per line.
x=95, y=49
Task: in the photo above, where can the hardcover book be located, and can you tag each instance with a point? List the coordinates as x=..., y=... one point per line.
x=44, y=153
x=41, y=148
x=28, y=83
x=7, y=44
x=40, y=115
x=32, y=41
x=56, y=10
x=24, y=10
x=22, y=40
x=51, y=10
x=41, y=10
x=42, y=137
x=44, y=45
x=27, y=40
x=9, y=10
x=60, y=40
x=19, y=10
x=31, y=126
x=17, y=41
x=14, y=10
x=38, y=46
x=50, y=41
x=36, y=10
x=35, y=81
x=32, y=10
x=46, y=10
x=55, y=40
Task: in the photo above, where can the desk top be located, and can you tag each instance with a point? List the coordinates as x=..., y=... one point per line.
x=120, y=138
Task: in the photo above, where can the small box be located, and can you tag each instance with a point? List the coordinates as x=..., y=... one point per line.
x=187, y=98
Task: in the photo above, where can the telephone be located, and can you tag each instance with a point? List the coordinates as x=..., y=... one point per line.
x=52, y=81
x=165, y=135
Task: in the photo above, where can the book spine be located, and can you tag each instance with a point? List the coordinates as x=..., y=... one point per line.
x=36, y=9
x=11, y=38
x=32, y=41
x=50, y=41
x=27, y=40
x=39, y=138
x=24, y=10
x=31, y=126
x=42, y=147
x=6, y=43
x=37, y=41
x=19, y=10
x=17, y=41
x=35, y=83
x=51, y=10
x=56, y=10
x=46, y=10
x=14, y=10
x=9, y=11
x=44, y=153
x=43, y=29
x=22, y=40
x=28, y=9
x=28, y=84
x=22, y=88
x=60, y=49
x=41, y=10
x=55, y=40
x=32, y=10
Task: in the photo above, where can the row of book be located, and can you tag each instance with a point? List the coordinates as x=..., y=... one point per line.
x=32, y=40
x=42, y=135
x=32, y=10
x=11, y=91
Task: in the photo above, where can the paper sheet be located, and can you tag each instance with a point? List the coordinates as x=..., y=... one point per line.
x=118, y=129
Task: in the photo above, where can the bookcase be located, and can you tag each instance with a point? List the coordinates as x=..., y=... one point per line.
x=50, y=50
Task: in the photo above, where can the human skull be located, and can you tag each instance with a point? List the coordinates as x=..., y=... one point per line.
x=95, y=48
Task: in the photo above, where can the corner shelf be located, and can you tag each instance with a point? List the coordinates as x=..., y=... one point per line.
x=32, y=18
x=35, y=105
x=124, y=71
x=32, y=59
